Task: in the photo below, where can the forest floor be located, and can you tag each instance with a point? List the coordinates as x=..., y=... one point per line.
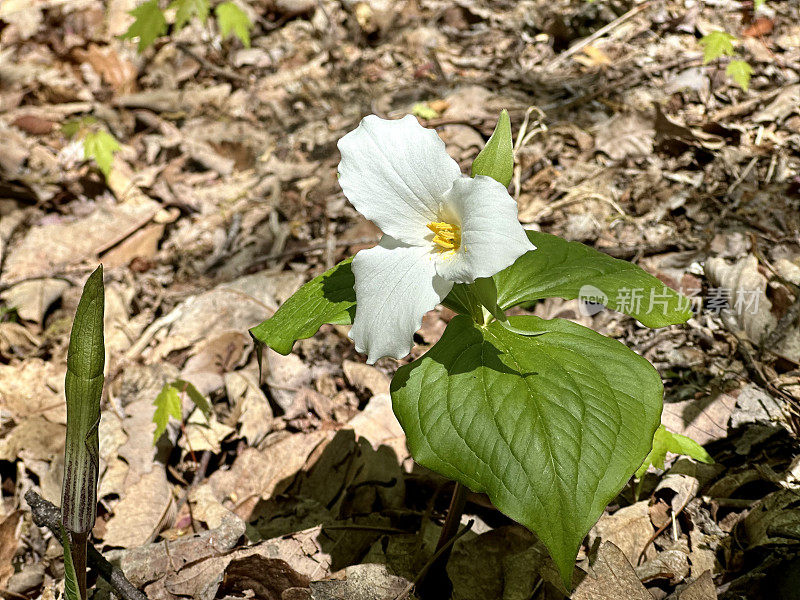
x=223, y=199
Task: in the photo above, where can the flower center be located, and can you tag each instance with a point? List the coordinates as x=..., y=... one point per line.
x=446, y=235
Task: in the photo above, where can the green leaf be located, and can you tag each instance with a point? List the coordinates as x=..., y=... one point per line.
x=328, y=298
x=167, y=403
x=195, y=396
x=562, y=269
x=740, y=71
x=186, y=9
x=423, y=111
x=716, y=44
x=496, y=160
x=71, y=589
x=233, y=19
x=551, y=427
x=83, y=390
x=666, y=441
x=100, y=146
x=149, y=24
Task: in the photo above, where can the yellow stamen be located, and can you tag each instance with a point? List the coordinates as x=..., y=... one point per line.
x=446, y=235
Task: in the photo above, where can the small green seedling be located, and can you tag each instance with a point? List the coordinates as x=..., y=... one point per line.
x=718, y=44
x=151, y=22
x=168, y=404
x=98, y=145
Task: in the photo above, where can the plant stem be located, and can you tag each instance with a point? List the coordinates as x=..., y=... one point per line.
x=78, y=549
x=435, y=584
x=453, y=519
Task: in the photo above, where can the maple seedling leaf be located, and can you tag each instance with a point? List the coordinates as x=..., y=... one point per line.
x=149, y=24
x=167, y=403
x=100, y=146
x=186, y=9
x=716, y=44
x=740, y=71
x=233, y=19
x=666, y=441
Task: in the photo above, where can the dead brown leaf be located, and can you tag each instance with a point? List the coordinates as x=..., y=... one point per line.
x=611, y=577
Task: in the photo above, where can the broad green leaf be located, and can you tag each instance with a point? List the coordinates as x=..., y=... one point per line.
x=83, y=389
x=666, y=441
x=233, y=19
x=186, y=9
x=716, y=44
x=551, y=427
x=496, y=160
x=71, y=589
x=328, y=298
x=149, y=24
x=195, y=396
x=740, y=71
x=100, y=146
x=167, y=403
x=562, y=269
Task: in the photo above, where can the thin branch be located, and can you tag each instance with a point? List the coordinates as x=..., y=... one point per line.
x=46, y=514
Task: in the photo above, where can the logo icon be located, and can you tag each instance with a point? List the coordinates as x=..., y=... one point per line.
x=592, y=300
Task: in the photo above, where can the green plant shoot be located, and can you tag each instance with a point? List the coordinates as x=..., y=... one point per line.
x=496, y=160
x=83, y=389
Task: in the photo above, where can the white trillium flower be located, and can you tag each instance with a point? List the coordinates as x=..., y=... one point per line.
x=439, y=227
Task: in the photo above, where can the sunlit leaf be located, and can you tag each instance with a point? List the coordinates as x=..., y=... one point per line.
x=665, y=441
x=100, y=146
x=149, y=24
x=716, y=44
x=168, y=404
x=423, y=111
x=328, y=298
x=562, y=269
x=496, y=160
x=740, y=71
x=185, y=10
x=233, y=19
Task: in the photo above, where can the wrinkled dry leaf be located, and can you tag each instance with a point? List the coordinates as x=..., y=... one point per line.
x=629, y=529
x=366, y=377
x=51, y=247
x=625, y=136
x=701, y=588
x=10, y=531
x=379, y=426
x=32, y=299
x=32, y=388
x=141, y=512
x=199, y=434
x=260, y=474
x=361, y=582
x=611, y=577
x=251, y=409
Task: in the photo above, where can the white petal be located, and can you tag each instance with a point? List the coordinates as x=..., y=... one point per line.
x=491, y=236
x=395, y=173
x=396, y=285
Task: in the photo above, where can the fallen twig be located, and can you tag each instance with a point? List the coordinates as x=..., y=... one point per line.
x=46, y=514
